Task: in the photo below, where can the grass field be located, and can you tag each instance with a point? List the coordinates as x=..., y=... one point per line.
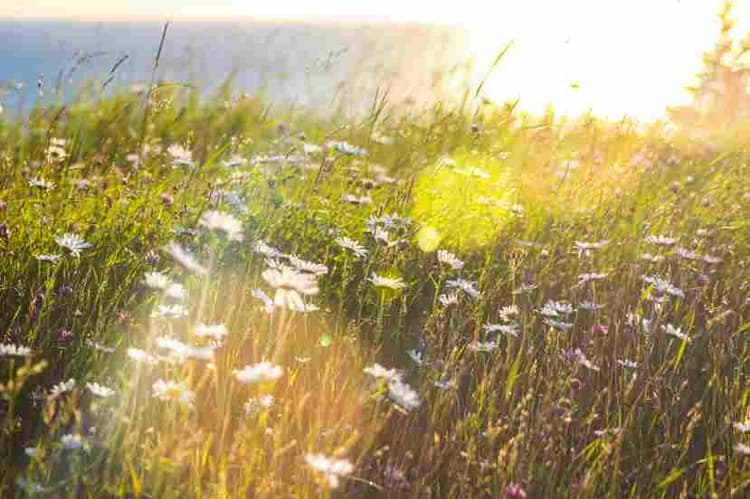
x=214, y=298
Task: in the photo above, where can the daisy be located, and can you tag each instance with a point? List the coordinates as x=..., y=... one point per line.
x=331, y=469
x=449, y=259
x=222, y=222
x=508, y=311
x=263, y=371
x=557, y=309
x=743, y=449
x=403, y=395
x=742, y=427
x=185, y=259
x=100, y=390
x=41, y=183
x=156, y=280
x=468, y=287
x=216, y=332
x=10, y=350
x=507, y=329
x=306, y=266
x=172, y=391
x=61, y=388
x=74, y=243
x=448, y=299
x=394, y=283
x=290, y=285
x=357, y=249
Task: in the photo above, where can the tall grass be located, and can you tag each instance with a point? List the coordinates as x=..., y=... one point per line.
x=592, y=402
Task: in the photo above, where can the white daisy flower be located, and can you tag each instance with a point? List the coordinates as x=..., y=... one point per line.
x=742, y=427
x=506, y=329
x=10, y=350
x=100, y=390
x=449, y=259
x=60, y=389
x=41, y=183
x=156, y=280
x=290, y=285
x=557, y=309
x=468, y=287
x=508, y=311
x=74, y=243
x=258, y=373
x=307, y=266
x=172, y=391
x=403, y=395
x=357, y=249
x=217, y=332
x=222, y=222
x=331, y=469
x=448, y=299
x=394, y=283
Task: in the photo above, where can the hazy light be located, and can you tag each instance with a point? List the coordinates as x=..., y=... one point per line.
x=618, y=56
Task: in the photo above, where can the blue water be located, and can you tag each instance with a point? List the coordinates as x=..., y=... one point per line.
x=311, y=64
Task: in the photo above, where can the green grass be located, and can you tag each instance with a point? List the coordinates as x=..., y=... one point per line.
x=528, y=417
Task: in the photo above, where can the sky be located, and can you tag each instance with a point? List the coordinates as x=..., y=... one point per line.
x=616, y=56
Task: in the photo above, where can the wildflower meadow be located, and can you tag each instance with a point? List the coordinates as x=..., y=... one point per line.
x=206, y=296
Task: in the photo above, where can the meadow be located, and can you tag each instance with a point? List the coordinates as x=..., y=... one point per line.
x=214, y=297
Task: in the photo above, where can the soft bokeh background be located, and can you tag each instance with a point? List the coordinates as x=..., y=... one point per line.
x=613, y=57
